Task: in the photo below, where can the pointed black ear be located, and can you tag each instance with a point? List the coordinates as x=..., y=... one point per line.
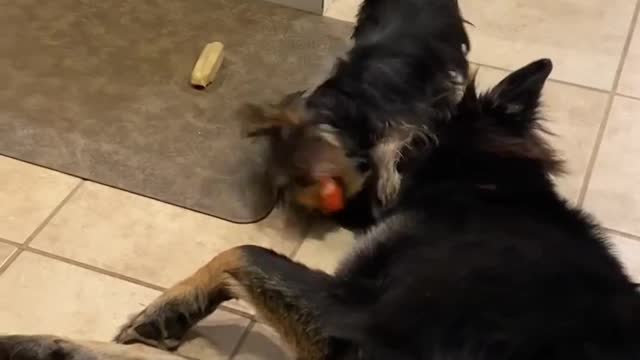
x=469, y=101
x=519, y=93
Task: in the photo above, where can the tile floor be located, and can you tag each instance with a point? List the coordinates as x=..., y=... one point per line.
x=77, y=258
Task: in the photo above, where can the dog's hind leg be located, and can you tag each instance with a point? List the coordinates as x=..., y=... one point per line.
x=288, y=295
x=56, y=348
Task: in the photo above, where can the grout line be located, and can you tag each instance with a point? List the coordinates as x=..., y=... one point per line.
x=22, y=246
x=581, y=86
x=295, y=251
x=12, y=258
x=52, y=214
x=242, y=339
x=119, y=276
x=612, y=94
x=93, y=268
x=622, y=233
x=9, y=242
x=149, y=197
x=584, y=186
x=303, y=238
x=235, y=311
x=182, y=356
x=306, y=230
x=552, y=80
x=628, y=96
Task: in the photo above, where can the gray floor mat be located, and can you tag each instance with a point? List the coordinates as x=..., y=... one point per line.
x=100, y=90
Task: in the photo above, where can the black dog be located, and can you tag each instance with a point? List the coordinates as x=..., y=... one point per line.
x=398, y=84
x=480, y=259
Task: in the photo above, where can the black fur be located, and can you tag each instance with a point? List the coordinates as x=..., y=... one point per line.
x=398, y=72
x=481, y=258
x=405, y=73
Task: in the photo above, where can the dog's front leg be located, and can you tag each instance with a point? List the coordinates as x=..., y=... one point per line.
x=286, y=294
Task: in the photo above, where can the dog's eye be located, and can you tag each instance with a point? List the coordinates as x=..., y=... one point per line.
x=303, y=181
x=361, y=164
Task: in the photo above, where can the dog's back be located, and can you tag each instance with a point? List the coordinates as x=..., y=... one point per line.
x=407, y=66
x=395, y=20
x=489, y=283
x=481, y=259
x=398, y=84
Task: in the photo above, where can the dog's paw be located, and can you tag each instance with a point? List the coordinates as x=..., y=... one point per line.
x=163, y=324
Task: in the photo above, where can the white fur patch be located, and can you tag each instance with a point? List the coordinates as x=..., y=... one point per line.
x=329, y=134
x=386, y=155
x=459, y=85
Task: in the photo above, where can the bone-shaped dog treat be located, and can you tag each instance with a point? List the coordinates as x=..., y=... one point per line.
x=207, y=65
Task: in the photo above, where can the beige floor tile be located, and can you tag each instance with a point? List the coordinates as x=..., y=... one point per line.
x=40, y=295
x=508, y=33
x=149, y=240
x=263, y=343
x=215, y=337
x=326, y=4
x=343, y=9
x=630, y=78
x=324, y=250
x=574, y=114
x=44, y=296
x=28, y=194
x=5, y=252
x=628, y=251
x=613, y=195
x=584, y=38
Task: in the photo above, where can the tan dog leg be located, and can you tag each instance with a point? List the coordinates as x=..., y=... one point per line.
x=283, y=292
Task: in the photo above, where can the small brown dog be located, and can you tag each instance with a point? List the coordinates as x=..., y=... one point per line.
x=399, y=83
x=302, y=153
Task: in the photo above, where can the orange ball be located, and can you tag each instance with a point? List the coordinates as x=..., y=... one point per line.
x=331, y=196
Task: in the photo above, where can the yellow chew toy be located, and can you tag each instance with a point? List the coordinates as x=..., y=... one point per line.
x=207, y=65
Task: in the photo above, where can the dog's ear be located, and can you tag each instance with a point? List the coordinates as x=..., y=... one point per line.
x=470, y=102
x=512, y=108
x=261, y=119
x=517, y=97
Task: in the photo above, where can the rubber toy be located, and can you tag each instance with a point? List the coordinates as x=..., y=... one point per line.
x=331, y=196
